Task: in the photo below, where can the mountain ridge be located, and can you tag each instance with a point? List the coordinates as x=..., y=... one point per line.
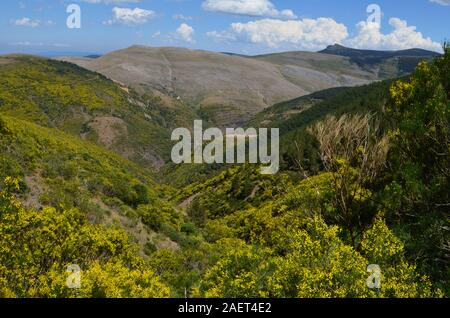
x=341, y=48
x=229, y=89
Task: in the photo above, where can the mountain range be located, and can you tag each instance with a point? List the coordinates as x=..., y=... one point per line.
x=227, y=90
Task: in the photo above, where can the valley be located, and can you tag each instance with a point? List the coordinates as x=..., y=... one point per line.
x=86, y=175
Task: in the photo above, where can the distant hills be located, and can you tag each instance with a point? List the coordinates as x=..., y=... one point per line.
x=387, y=63
x=55, y=54
x=229, y=89
x=369, y=54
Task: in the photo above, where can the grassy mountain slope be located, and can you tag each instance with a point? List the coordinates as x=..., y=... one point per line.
x=315, y=71
x=298, y=112
x=294, y=117
x=86, y=104
x=60, y=170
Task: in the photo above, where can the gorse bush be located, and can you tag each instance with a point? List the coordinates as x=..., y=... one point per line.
x=417, y=195
x=37, y=247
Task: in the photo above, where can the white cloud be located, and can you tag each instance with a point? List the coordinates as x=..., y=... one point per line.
x=307, y=34
x=402, y=37
x=257, y=8
x=182, y=17
x=185, y=32
x=222, y=36
x=442, y=2
x=127, y=16
x=26, y=43
x=26, y=22
x=316, y=34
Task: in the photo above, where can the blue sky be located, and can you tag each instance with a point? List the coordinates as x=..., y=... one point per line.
x=240, y=26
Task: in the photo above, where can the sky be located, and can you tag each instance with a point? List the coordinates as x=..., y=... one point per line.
x=238, y=26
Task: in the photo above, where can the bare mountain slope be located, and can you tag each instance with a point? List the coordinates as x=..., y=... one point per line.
x=316, y=71
x=228, y=88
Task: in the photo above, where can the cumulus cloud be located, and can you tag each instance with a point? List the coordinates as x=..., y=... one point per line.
x=256, y=8
x=185, y=32
x=402, y=37
x=27, y=22
x=442, y=2
x=308, y=34
x=316, y=34
x=130, y=17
